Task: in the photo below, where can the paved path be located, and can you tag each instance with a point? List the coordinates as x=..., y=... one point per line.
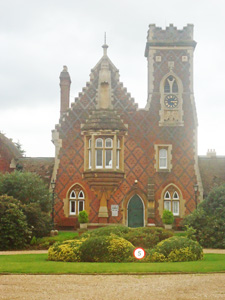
x=219, y=251
x=124, y=287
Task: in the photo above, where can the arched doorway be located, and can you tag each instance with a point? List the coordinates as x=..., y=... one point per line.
x=135, y=211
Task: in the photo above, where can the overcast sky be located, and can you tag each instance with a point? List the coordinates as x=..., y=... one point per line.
x=38, y=37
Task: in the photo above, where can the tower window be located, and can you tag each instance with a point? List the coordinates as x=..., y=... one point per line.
x=170, y=85
x=163, y=159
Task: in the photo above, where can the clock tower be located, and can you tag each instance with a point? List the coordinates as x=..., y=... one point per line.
x=171, y=107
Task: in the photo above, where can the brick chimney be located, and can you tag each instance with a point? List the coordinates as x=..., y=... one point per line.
x=65, y=90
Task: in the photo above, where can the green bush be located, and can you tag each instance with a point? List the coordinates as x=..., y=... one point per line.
x=118, y=230
x=94, y=249
x=167, y=217
x=147, y=237
x=39, y=221
x=171, y=245
x=14, y=231
x=83, y=217
x=208, y=219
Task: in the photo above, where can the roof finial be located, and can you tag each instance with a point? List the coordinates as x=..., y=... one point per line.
x=105, y=46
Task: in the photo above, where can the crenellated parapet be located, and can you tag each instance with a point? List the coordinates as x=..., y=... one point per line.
x=171, y=36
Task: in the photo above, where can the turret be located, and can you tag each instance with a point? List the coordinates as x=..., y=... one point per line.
x=65, y=90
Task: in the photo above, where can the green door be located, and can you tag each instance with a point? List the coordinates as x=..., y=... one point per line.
x=135, y=212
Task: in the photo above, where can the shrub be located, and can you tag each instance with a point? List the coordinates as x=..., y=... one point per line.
x=92, y=249
x=14, y=231
x=95, y=249
x=208, y=219
x=174, y=243
x=119, y=250
x=106, y=231
x=183, y=254
x=66, y=251
x=146, y=237
x=167, y=217
x=39, y=221
x=83, y=217
x=156, y=257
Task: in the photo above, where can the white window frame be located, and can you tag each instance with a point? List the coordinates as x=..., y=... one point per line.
x=72, y=213
x=79, y=201
x=163, y=158
x=89, y=154
x=165, y=206
x=96, y=151
x=176, y=213
x=109, y=148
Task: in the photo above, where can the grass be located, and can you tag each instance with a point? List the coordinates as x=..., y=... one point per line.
x=38, y=264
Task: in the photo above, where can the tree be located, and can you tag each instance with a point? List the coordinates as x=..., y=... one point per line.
x=26, y=187
x=19, y=147
x=209, y=219
x=34, y=196
x=14, y=231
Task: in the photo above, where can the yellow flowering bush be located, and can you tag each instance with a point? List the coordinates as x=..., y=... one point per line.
x=66, y=251
x=119, y=249
x=183, y=254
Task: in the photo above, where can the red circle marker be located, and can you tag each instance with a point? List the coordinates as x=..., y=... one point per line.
x=139, y=253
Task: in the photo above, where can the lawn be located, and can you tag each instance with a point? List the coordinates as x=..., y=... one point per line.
x=38, y=264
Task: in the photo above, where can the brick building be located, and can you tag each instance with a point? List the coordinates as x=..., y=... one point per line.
x=123, y=164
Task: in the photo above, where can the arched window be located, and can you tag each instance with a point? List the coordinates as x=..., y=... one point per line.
x=163, y=159
x=76, y=200
x=172, y=201
x=170, y=85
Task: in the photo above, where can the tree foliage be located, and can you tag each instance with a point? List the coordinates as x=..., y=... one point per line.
x=26, y=187
x=14, y=230
x=34, y=196
x=209, y=219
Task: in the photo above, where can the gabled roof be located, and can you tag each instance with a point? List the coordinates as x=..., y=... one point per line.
x=87, y=99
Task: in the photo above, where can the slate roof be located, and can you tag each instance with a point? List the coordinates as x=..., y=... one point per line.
x=43, y=166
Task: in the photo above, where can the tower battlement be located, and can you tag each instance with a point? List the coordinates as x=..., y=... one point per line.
x=170, y=34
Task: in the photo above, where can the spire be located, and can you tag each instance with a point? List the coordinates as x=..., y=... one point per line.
x=105, y=46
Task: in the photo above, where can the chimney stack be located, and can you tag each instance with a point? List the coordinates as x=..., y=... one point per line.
x=65, y=90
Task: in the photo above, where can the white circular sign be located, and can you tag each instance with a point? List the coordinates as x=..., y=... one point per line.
x=139, y=253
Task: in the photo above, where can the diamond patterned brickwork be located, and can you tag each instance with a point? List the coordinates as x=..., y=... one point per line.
x=139, y=157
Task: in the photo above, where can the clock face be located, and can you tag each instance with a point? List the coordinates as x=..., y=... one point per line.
x=171, y=101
